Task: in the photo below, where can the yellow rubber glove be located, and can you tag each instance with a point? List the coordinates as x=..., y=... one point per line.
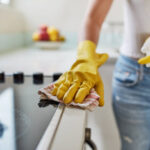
x=144, y=60
x=145, y=50
x=83, y=75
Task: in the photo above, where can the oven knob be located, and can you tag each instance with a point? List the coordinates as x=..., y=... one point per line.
x=2, y=77
x=18, y=77
x=56, y=76
x=38, y=78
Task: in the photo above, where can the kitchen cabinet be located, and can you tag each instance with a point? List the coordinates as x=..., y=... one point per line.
x=66, y=130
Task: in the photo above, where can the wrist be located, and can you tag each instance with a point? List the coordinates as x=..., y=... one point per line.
x=86, y=49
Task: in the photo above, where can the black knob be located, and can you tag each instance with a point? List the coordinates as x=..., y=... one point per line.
x=2, y=77
x=38, y=78
x=56, y=76
x=18, y=77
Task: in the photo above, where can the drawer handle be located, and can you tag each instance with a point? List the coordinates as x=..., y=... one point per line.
x=88, y=139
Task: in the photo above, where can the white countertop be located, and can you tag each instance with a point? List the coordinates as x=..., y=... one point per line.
x=31, y=60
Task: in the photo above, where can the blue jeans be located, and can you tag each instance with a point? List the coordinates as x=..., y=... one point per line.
x=131, y=103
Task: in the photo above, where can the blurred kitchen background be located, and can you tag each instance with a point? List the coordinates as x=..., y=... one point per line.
x=20, y=18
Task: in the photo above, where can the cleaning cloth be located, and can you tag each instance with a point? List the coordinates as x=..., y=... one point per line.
x=90, y=102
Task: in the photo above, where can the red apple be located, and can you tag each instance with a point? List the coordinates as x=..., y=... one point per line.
x=43, y=28
x=44, y=36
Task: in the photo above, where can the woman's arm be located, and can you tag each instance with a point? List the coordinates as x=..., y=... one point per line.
x=83, y=75
x=95, y=15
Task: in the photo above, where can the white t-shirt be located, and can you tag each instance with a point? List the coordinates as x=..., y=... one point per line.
x=137, y=26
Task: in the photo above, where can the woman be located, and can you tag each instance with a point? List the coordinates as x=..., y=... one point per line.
x=131, y=82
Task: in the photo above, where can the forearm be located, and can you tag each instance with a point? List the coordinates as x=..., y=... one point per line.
x=94, y=19
x=90, y=31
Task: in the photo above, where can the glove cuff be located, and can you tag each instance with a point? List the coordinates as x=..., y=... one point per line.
x=86, y=49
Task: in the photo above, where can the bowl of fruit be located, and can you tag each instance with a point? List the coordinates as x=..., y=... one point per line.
x=48, y=37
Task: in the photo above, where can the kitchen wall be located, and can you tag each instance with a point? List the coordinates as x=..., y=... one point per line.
x=12, y=27
x=65, y=14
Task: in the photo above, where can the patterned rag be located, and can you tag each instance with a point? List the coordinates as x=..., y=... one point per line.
x=90, y=102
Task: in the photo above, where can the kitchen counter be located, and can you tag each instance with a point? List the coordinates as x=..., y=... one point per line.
x=31, y=60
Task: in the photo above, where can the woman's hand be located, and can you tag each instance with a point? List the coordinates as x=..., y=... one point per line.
x=76, y=83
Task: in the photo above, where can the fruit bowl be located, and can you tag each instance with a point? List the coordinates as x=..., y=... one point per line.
x=48, y=45
x=48, y=37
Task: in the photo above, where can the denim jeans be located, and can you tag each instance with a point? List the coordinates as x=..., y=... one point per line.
x=131, y=103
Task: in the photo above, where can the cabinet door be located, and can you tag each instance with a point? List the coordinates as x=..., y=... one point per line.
x=66, y=131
